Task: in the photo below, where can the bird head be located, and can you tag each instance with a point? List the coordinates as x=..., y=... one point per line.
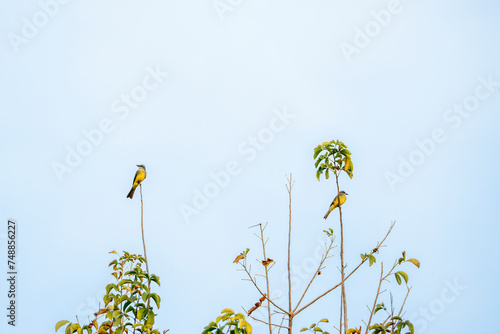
x=142, y=166
x=343, y=193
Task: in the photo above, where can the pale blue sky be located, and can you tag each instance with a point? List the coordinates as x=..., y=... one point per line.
x=229, y=75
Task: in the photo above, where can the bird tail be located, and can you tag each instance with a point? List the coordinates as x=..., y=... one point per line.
x=131, y=193
x=326, y=216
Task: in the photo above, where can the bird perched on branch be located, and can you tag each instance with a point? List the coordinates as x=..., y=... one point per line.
x=140, y=175
x=335, y=203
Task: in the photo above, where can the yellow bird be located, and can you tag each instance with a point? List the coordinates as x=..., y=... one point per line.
x=140, y=175
x=335, y=202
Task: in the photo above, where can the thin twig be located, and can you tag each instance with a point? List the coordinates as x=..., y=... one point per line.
x=323, y=258
x=376, y=297
x=282, y=320
x=382, y=278
x=404, y=301
x=267, y=277
x=379, y=244
x=260, y=291
x=267, y=323
x=289, y=188
x=329, y=290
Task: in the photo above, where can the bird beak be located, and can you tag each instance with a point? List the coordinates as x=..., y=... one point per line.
x=346, y=193
x=138, y=165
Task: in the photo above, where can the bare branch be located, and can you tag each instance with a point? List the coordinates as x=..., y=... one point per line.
x=379, y=244
x=289, y=188
x=267, y=278
x=267, y=323
x=376, y=297
x=323, y=258
x=250, y=278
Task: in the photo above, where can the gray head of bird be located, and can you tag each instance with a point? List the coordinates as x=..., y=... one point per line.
x=142, y=166
x=343, y=193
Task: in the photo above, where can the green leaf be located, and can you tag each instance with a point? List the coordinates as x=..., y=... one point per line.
x=371, y=259
x=410, y=326
x=398, y=278
x=60, y=324
x=127, y=304
x=304, y=329
x=324, y=320
x=318, y=174
x=124, y=281
x=414, y=261
x=317, y=151
x=379, y=307
x=345, y=152
x=327, y=174
x=155, y=279
x=109, y=287
x=404, y=275
x=317, y=329
x=72, y=328
x=151, y=319
x=141, y=313
x=156, y=298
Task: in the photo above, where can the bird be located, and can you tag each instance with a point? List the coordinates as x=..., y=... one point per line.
x=140, y=175
x=335, y=202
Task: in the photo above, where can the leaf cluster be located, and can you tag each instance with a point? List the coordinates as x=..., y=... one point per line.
x=332, y=156
x=395, y=325
x=235, y=323
x=314, y=328
x=127, y=305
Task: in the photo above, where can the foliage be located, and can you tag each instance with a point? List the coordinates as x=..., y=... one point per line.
x=127, y=307
x=332, y=156
x=314, y=328
x=235, y=323
x=393, y=323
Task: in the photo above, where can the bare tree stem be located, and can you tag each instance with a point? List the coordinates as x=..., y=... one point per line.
x=290, y=317
x=144, y=243
x=342, y=268
x=267, y=277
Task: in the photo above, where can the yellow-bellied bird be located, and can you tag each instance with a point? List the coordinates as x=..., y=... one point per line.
x=140, y=175
x=335, y=203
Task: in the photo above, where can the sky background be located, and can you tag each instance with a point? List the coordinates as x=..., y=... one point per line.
x=230, y=74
